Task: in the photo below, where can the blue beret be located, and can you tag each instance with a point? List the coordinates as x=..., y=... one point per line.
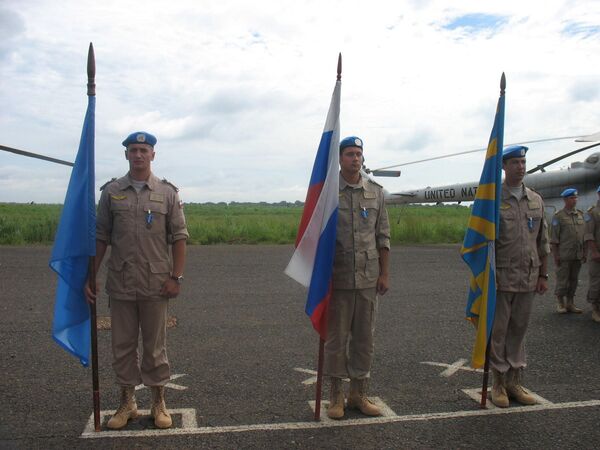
x=140, y=137
x=569, y=193
x=514, y=151
x=351, y=141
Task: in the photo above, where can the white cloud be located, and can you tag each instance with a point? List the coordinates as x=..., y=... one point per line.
x=237, y=92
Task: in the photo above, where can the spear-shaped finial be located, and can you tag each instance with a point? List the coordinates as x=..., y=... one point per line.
x=339, y=69
x=91, y=72
x=502, y=83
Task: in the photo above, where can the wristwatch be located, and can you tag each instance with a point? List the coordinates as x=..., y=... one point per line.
x=544, y=275
x=179, y=279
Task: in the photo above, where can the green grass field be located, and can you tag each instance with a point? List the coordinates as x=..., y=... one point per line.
x=23, y=224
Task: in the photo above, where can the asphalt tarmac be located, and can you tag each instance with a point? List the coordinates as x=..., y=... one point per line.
x=243, y=350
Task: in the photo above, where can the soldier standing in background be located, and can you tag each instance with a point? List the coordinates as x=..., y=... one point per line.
x=567, y=248
x=592, y=243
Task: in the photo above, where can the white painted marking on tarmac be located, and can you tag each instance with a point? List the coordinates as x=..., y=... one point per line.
x=308, y=381
x=312, y=380
x=188, y=422
x=386, y=411
x=451, y=369
x=170, y=385
x=89, y=432
x=454, y=367
x=475, y=394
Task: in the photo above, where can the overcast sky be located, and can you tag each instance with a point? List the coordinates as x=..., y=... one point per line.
x=237, y=91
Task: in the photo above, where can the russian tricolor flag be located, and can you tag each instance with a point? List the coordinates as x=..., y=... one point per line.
x=312, y=262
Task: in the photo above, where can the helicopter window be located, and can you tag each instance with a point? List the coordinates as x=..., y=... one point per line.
x=592, y=159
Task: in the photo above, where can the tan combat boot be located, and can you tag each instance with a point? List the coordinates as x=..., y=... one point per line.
x=162, y=418
x=515, y=390
x=499, y=397
x=127, y=409
x=336, y=399
x=571, y=306
x=596, y=312
x=560, y=307
x=358, y=398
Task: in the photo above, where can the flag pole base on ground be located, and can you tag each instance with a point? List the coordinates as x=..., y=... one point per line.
x=319, y=380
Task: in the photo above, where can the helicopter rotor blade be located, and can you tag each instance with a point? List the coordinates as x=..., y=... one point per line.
x=385, y=173
x=589, y=138
x=35, y=155
x=450, y=155
x=555, y=160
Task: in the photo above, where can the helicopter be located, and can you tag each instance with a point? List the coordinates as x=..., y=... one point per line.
x=581, y=175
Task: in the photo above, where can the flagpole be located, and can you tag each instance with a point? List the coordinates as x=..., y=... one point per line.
x=486, y=374
x=486, y=366
x=321, y=340
x=91, y=91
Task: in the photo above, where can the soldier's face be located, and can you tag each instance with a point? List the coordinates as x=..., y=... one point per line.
x=570, y=202
x=514, y=169
x=139, y=156
x=351, y=159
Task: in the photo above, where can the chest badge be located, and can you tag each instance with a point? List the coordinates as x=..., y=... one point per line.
x=149, y=219
x=118, y=197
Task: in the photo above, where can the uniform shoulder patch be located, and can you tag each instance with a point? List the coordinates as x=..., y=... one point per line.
x=536, y=192
x=374, y=182
x=107, y=183
x=164, y=180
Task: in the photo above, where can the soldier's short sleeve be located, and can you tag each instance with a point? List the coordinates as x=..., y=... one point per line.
x=383, y=225
x=177, y=228
x=590, y=225
x=103, y=218
x=555, y=230
x=543, y=246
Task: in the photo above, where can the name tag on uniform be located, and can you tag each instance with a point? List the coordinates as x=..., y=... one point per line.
x=156, y=197
x=533, y=204
x=369, y=194
x=118, y=197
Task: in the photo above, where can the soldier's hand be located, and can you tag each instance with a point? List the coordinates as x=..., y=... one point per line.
x=383, y=284
x=542, y=286
x=170, y=288
x=91, y=296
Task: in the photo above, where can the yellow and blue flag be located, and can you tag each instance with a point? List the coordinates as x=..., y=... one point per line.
x=478, y=249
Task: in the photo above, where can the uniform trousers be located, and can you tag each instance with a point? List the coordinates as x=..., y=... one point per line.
x=507, y=349
x=128, y=317
x=593, y=295
x=350, y=329
x=566, y=278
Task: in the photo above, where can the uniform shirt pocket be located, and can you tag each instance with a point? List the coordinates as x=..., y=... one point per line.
x=158, y=213
x=119, y=279
x=369, y=209
x=158, y=272
x=372, y=264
